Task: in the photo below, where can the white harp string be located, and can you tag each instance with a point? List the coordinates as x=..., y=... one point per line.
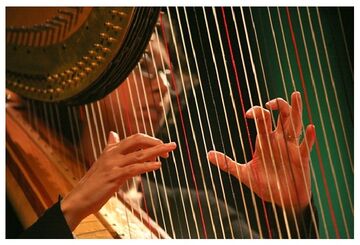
x=200, y=121
x=340, y=117
x=323, y=126
x=167, y=124
x=179, y=145
x=261, y=104
x=321, y=120
x=153, y=134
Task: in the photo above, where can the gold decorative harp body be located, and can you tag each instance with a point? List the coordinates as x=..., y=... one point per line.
x=189, y=75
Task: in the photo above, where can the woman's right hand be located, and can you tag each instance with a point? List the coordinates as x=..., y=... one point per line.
x=119, y=161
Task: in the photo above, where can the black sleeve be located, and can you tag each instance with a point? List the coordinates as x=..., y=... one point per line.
x=50, y=225
x=304, y=226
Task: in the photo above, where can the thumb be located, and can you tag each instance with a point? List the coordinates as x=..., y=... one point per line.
x=226, y=164
x=113, y=138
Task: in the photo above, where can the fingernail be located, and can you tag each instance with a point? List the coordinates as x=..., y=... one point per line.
x=248, y=113
x=172, y=144
x=271, y=103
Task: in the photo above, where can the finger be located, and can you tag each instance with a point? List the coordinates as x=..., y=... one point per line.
x=148, y=154
x=136, y=142
x=308, y=141
x=283, y=107
x=296, y=112
x=135, y=169
x=228, y=165
x=113, y=138
x=263, y=119
x=279, y=104
x=296, y=102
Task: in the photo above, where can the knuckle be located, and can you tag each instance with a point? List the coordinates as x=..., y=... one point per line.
x=139, y=156
x=137, y=136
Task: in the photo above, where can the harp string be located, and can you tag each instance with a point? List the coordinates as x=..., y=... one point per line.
x=281, y=69
x=268, y=135
x=237, y=121
x=237, y=82
x=302, y=80
x=214, y=104
x=294, y=88
x=340, y=114
x=246, y=124
x=318, y=105
x=153, y=134
x=164, y=115
x=227, y=76
x=346, y=46
x=102, y=124
x=173, y=81
x=335, y=225
x=81, y=163
x=188, y=110
x=285, y=216
x=272, y=115
x=221, y=135
x=122, y=123
x=95, y=122
x=137, y=201
x=128, y=123
x=200, y=121
x=87, y=114
x=54, y=111
x=284, y=85
x=47, y=125
x=113, y=113
x=221, y=93
x=74, y=110
x=225, y=112
x=127, y=114
x=207, y=119
x=325, y=137
x=110, y=98
x=179, y=144
x=104, y=135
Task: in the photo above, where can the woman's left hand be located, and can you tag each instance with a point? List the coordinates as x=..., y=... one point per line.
x=279, y=171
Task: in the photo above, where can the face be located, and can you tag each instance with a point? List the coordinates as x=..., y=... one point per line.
x=144, y=96
x=139, y=104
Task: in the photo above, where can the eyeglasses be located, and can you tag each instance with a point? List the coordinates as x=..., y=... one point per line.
x=148, y=71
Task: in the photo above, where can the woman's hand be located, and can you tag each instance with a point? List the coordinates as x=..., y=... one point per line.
x=118, y=162
x=279, y=171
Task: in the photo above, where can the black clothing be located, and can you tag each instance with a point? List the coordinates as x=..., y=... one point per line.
x=50, y=225
x=228, y=216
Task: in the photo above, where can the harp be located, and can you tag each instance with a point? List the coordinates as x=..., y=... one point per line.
x=216, y=63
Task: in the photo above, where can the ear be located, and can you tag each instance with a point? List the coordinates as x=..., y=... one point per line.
x=113, y=138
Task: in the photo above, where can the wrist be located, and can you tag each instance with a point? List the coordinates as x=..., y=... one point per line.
x=70, y=212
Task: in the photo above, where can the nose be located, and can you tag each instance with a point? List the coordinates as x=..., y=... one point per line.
x=164, y=82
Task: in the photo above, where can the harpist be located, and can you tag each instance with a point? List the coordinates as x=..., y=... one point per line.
x=277, y=173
